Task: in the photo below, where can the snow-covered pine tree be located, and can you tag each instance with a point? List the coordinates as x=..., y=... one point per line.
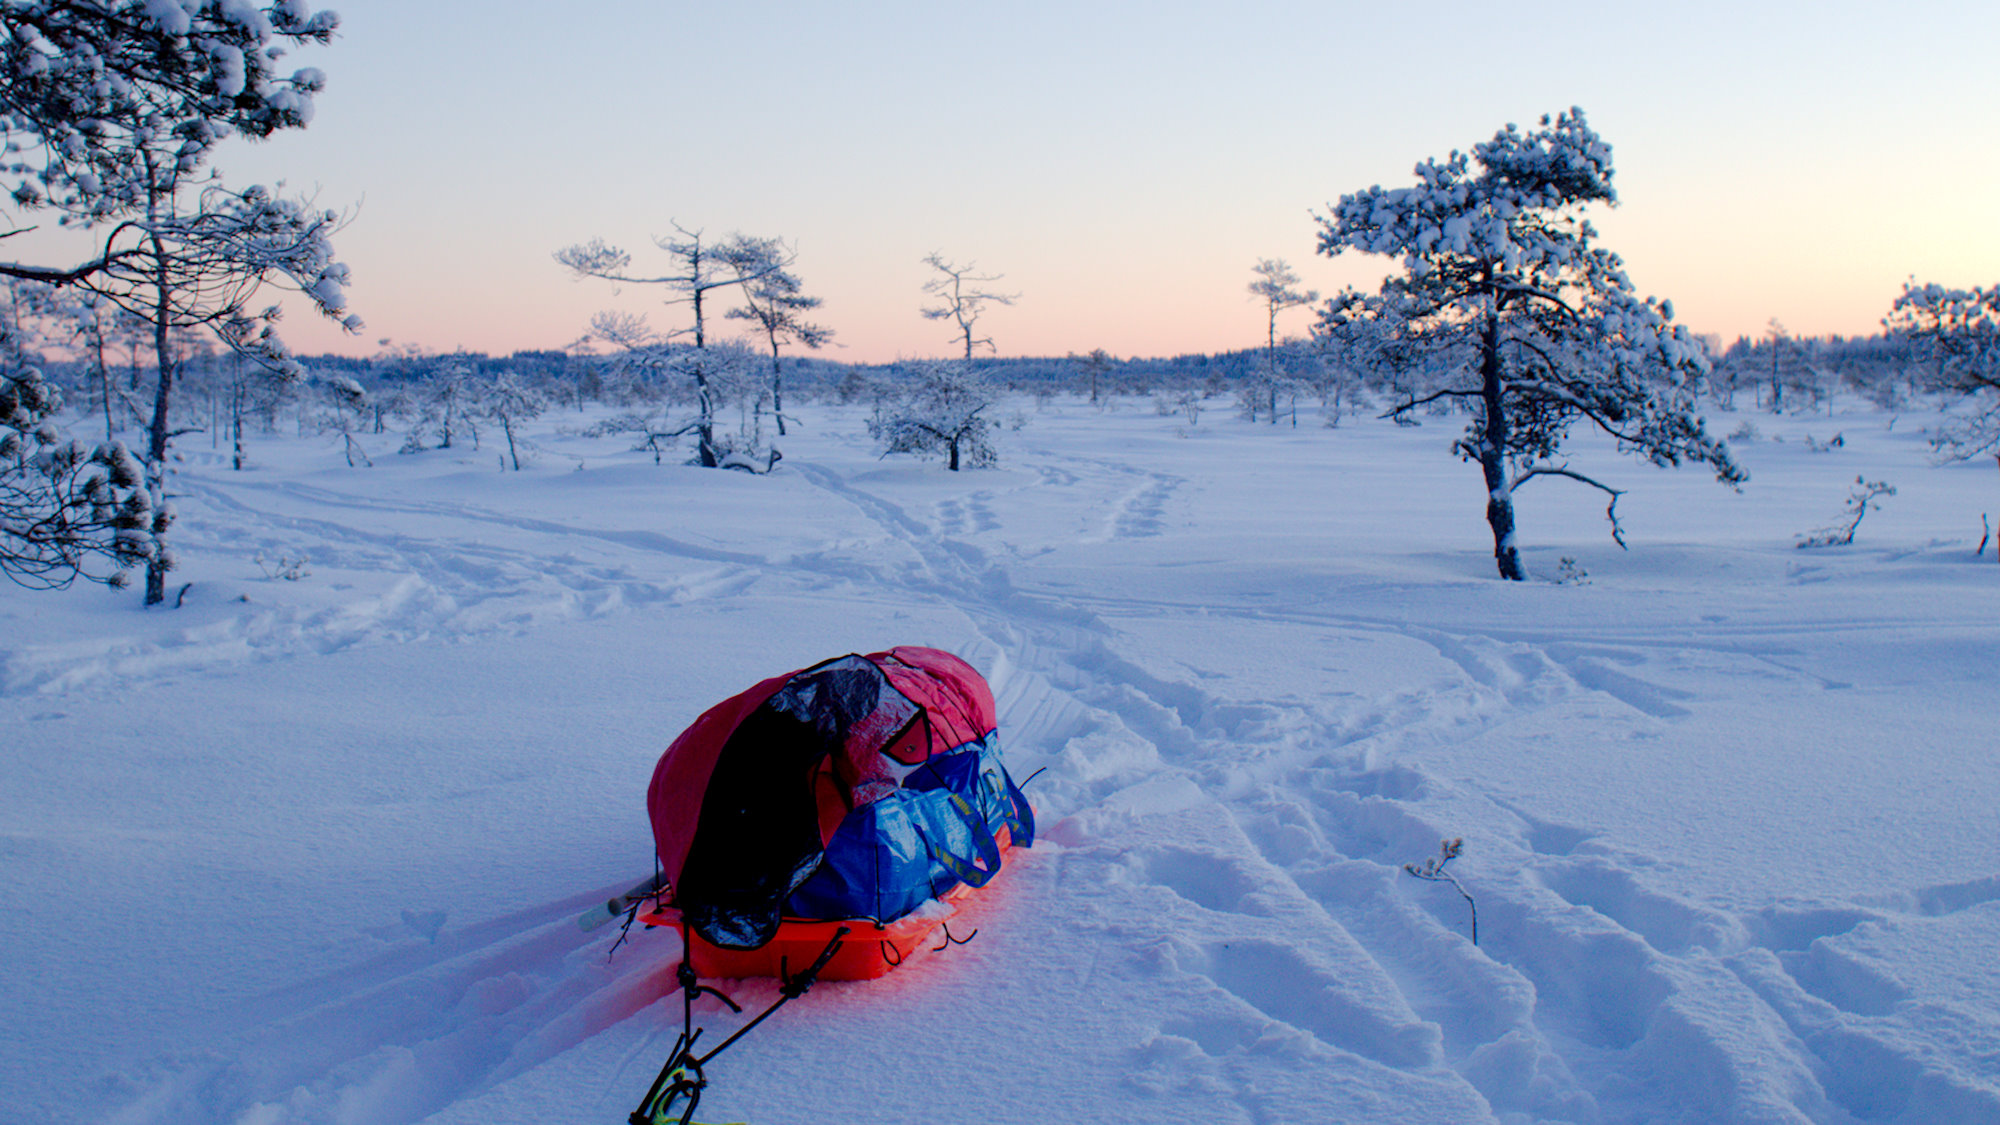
x=111, y=110
x=1537, y=326
x=87, y=88
x=700, y=268
x=251, y=386
x=93, y=329
x=196, y=261
x=1278, y=287
x=777, y=301
x=344, y=405
x=1094, y=368
x=1781, y=366
x=1956, y=332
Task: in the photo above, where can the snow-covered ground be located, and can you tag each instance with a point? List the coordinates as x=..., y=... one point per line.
x=311, y=849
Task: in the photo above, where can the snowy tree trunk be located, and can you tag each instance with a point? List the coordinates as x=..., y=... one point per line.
x=104, y=383
x=158, y=434
x=704, y=397
x=1493, y=450
x=1271, y=360
x=156, y=489
x=239, y=393
x=777, y=390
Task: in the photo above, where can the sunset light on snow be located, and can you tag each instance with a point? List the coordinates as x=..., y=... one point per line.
x=1169, y=562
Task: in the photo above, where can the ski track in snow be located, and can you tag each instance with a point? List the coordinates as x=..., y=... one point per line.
x=452, y=581
x=1586, y=982
x=1590, y=997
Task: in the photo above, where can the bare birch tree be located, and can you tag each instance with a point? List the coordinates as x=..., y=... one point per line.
x=962, y=299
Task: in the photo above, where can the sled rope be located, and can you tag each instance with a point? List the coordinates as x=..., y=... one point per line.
x=676, y=1091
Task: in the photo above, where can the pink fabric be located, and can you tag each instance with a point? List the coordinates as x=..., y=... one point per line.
x=673, y=800
x=952, y=693
x=958, y=708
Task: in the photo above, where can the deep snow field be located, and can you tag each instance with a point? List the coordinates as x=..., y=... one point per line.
x=311, y=850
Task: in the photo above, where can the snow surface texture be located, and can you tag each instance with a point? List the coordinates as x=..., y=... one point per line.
x=309, y=849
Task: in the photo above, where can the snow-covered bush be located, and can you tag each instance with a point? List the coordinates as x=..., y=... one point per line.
x=1956, y=333
x=445, y=407
x=1866, y=495
x=509, y=403
x=65, y=512
x=938, y=407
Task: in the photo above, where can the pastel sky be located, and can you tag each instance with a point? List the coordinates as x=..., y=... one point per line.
x=1123, y=164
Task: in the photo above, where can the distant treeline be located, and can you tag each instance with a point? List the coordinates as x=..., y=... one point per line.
x=1780, y=371
x=1776, y=371
x=1135, y=374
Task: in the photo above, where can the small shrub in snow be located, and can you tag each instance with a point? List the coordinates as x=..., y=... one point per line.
x=289, y=567
x=1433, y=869
x=625, y=423
x=1866, y=494
x=1570, y=573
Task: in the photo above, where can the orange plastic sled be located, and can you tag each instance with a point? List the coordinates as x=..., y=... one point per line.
x=869, y=950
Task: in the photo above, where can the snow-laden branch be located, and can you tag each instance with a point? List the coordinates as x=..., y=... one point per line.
x=1610, y=508
x=85, y=83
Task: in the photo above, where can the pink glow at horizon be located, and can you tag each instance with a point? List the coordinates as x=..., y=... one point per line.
x=1123, y=166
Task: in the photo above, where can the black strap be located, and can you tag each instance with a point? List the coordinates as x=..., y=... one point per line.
x=792, y=988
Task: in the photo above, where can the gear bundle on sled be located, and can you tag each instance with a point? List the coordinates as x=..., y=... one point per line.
x=819, y=826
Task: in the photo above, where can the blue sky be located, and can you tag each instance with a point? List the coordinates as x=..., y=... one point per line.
x=1123, y=164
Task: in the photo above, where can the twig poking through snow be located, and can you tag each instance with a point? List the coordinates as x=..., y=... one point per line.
x=1859, y=501
x=285, y=566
